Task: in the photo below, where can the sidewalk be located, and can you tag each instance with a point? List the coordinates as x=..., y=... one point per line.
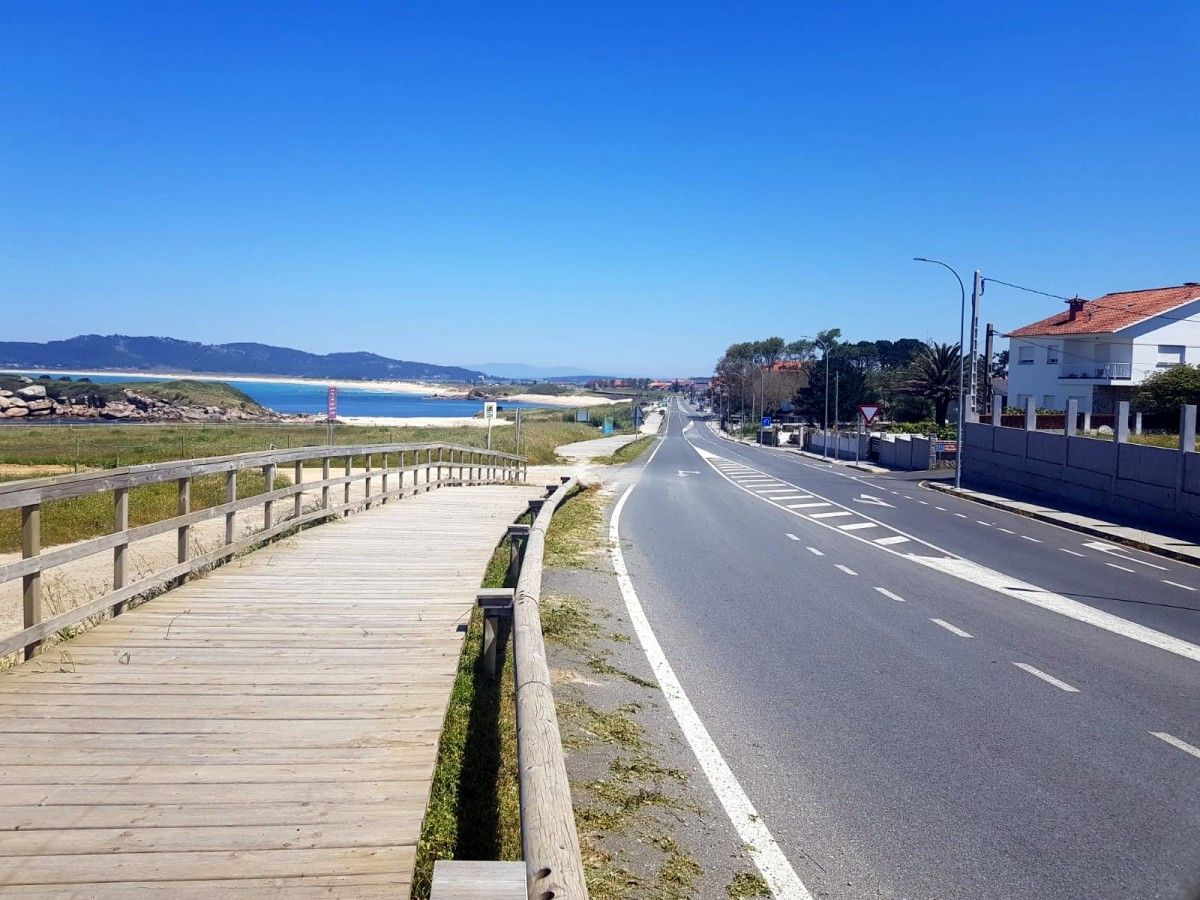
x=1152, y=542
x=788, y=448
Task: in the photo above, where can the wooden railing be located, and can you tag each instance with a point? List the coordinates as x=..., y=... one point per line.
x=549, y=842
x=416, y=468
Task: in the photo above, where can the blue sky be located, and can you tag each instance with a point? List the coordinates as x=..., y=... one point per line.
x=623, y=187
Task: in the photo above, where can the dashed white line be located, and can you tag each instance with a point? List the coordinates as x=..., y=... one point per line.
x=1072, y=552
x=942, y=508
x=1026, y=537
x=1176, y=742
x=890, y=595
x=814, y=551
x=1178, y=585
x=857, y=526
x=1006, y=530
x=781, y=878
x=923, y=502
x=983, y=523
x=960, y=515
x=846, y=569
x=792, y=537
x=1049, y=679
x=953, y=629
x=1122, y=568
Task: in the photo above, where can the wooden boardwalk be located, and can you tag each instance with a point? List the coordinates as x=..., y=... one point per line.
x=269, y=729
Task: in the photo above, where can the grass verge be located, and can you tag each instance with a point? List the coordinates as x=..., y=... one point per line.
x=629, y=453
x=574, y=537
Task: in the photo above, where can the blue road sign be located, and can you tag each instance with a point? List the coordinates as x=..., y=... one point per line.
x=766, y=422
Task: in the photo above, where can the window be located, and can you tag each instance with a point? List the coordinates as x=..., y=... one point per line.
x=1052, y=354
x=1025, y=355
x=1169, y=355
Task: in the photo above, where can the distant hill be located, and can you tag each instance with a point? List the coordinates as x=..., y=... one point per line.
x=123, y=353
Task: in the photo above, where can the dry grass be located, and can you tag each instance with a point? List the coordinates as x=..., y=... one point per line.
x=574, y=538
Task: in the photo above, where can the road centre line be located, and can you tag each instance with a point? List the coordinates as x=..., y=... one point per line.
x=1006, y=530
x=960, y=515
x=983, y=523
x=890, y=595
x=1178, y=585
x=846, y=569
x=1176, y=742
x=1026, y=537
x=1122, y=568
x=1049, y=679
x=1072, y=552
x=990, y=579
x=781, y=878
x=815, y=552
x=953, y=629
x=792, y=536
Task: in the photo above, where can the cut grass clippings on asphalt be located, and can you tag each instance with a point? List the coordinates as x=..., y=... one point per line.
x=574, y=538
x=748, y=886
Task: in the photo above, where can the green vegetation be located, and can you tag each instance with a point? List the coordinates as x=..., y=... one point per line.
x=65, y=521
x=474, y=804
x=107, y=446
x=574, y=538
x=748, y=886
x=1162, y=393
x=629, y=453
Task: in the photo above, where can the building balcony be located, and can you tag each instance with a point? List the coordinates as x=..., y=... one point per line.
x=1098, y=371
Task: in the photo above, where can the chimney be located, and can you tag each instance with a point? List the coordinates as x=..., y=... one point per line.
x=1075, y=305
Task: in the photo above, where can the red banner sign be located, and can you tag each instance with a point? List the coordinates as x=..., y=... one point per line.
x=331, y=404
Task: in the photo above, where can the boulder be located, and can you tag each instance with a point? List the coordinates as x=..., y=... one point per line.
x=25, y=379
x=5, y=403
x=32, y=392
x=39, y=407
x=6, y=393
x=15, y=412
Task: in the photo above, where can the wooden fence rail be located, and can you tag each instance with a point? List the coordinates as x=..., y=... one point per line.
x=416, y=467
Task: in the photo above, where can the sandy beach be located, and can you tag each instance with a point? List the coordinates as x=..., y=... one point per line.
x=422, y=421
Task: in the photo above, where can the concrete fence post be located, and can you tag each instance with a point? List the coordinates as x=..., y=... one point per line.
x=1187, y=428
x=1030, y=414
x=1121, y=432
x=1087, y=422
x=1137, y=423
x=997, y=410
x=1072, y=417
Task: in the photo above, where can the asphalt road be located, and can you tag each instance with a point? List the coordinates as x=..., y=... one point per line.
x=923, y=697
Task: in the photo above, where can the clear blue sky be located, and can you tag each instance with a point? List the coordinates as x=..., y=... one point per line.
x=624, y=187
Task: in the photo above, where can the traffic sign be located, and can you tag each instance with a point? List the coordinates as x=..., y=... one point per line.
x=869, y=411
x=331, y=404
x=766, y=421
x=489, y=410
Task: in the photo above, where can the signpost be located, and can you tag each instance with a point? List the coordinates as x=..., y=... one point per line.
x=489, y=415
x=330, y=411
x=582, y=415
x=608, y=425
x=766, y=424
x=868, y=412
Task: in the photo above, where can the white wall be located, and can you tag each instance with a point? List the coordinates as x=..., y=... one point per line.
x=1040, y=379
x=1165, y=331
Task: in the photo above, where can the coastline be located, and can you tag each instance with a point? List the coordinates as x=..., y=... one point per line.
x=422, y=421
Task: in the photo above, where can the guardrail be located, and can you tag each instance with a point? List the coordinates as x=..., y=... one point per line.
x=450, y=463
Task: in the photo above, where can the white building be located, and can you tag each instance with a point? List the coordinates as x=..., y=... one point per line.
x=1098, y=350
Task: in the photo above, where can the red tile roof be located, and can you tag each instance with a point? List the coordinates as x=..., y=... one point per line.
x=1112, y=312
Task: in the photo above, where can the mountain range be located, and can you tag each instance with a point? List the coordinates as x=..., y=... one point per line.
x=124, y=353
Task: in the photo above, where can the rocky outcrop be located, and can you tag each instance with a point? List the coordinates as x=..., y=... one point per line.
x=32, y=402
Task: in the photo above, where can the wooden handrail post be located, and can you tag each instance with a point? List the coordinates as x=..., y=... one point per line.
x=184, y=531
x=439, y=467
x=384, y=491
x=325, y=477
x=31, y=584
x=298, y=505
x=268, y=472
x=121, y=551
x=230, y=496
x=401, y=474
x=346, y=486
x=367, y=493
x=518, y=536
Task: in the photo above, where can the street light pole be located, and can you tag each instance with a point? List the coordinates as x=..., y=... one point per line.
x=962, y=312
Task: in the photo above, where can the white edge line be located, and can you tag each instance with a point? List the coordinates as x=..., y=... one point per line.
x=1049, y=679
x=1176, y=742
x=782, y=879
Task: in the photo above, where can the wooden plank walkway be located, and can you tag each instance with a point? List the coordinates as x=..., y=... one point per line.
x=269, y=729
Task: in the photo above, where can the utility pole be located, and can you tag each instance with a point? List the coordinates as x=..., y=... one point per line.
x=976, y=294
x=837, y=387
x=989, y=336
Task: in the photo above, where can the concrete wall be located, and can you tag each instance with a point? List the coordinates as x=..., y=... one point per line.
x=1153, y=486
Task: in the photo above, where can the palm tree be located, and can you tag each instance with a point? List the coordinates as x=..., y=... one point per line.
x=935, y=376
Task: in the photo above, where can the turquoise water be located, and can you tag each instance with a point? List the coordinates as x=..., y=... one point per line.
x=310, y=398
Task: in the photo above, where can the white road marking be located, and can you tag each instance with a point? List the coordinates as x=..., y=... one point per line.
x=846, y=569
x=1049, y=679
x=772, y=491
x=923, y=502
x=829, y=515
x=872, y=501
x=1026, y=537
x=794, y=497
x=981, y=522
x=942, y=508
x=1006, y=530
x=808, y=505
x=792, y=536
x=815, y=551
x=781, y=878
x=1178, y=585
x=894, y=539
x=890, y=595
x=960, y=515
x=1176, y=742
x=857, y=526
x=981, y=576
x=953, y=629
x=1122, y=568
x=1115, y=551
x=1072, y=552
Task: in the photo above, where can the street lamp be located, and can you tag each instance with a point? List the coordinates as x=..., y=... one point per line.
x=962, y=312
